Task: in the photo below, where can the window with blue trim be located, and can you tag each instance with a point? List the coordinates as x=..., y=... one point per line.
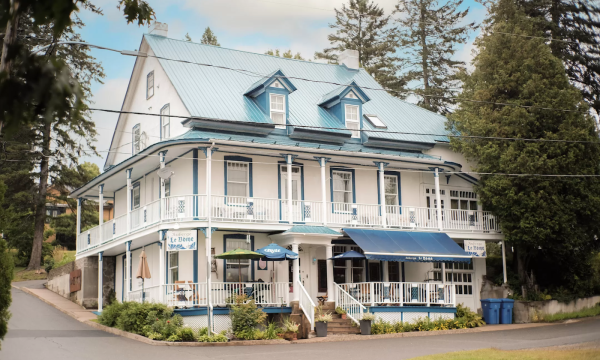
x=135, y=196
x=235, y=268
x=165, y=122
x=391, y=190
x=238, y=179
x=277, y=110
x=342, y=187
x=352, y=119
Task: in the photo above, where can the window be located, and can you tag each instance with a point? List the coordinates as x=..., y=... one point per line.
x=339, y=266
x=463, y=200
x=136, y=139
x=375, y=121
x=357, y=266
x=351, y=95
x=173, y=266
x=277, y=84
x=135, y=196
x=167, y=187
x=352, y=122
x=394, y=271
x=342, y=187
x=150, y=85
x=459, y=274
x=391, y=189
x=235, y=269
x=165, y=122
x=278, y=110
x=238, y=179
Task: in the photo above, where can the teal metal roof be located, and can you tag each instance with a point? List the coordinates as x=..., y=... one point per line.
x=306, y=229
x=214, y=92
x=280, y=138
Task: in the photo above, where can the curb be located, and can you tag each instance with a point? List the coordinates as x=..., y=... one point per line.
x=27, y=291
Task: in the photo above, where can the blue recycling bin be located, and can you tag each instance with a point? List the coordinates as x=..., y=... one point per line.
x=506, y=310
x=491, y=310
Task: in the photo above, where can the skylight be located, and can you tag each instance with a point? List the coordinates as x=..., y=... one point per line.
x=375, y=121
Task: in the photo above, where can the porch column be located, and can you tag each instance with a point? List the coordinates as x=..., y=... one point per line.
x=385, y=271
x=296, y=274
x=381, y=166
x=100, y=205
x=161, y=195
x=127, y=267
x=100, y=285
x=128, y=210
x=78, y=230
x=161, y=265
x=323, y=162
x=504, y=261
x=438, y=199
x=443, y=273
x=208, y=235
x=330, y=282
x=288, y=160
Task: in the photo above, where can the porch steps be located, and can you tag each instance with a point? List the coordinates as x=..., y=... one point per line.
x=341, y=326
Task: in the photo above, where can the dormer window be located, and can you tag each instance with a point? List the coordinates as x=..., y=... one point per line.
x=277, y=108
x=352, y=121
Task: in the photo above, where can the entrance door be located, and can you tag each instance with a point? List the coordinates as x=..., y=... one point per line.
x=374, y=272
x=296, y=205
x=322, y=275
x=431, y=202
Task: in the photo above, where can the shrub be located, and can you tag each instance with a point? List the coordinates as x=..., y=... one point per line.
x=110, y=314
x=186, y=334
x=245, y=317
x=203, y=336
x=6, y=275
x=143, y=319
x=272, y=330
x=467, y=317
x=382, y=327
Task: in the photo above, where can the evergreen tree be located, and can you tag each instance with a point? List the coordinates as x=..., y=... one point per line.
x=363, y=26
x=429, y=34
x=552, y=222
x=573, y=25
x=288, y=54
x=6, y=275
x=187, y=37
x=209, y=38
x=71, y=178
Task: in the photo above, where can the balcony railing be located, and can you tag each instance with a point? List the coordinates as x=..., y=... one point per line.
x=276, y=211
x=401, y=293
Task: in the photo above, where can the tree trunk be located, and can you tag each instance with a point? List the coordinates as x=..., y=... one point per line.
x=40, y=208
x=556, y=46
x=424, y=57
x=9, y=38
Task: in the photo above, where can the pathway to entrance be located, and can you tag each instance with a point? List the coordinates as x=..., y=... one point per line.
x=39, y=331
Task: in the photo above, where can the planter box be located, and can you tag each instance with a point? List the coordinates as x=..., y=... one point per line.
x=321, y=328
x=365, y=327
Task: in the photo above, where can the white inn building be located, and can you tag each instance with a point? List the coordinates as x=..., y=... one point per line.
x=254, y=149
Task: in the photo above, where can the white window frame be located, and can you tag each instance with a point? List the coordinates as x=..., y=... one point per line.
x=173, y=254
x=136, y=139
x=272, y=110
x=165, y=122
x=356, y=122
x=150, y=85
x=386, y=194
x=461, y=275
x=376, y=121
x=247, y=182
x=232, y=244
x=333, y=191
x=135, y=187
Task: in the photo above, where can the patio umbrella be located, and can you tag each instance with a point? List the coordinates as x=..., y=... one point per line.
x=349, y=255
x=143, y=271
x=239, y=254
x=274, y=252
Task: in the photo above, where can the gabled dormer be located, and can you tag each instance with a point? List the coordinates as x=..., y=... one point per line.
x=345, y=103
x=271, y=95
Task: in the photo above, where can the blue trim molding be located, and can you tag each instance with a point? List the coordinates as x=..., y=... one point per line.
x=241, y=159
x=237, y=236
x=340, y=168
x=397, y=175
x=279, y=182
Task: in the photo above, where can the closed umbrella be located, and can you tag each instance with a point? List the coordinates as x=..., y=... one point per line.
x=143, y=271
x=239, y=254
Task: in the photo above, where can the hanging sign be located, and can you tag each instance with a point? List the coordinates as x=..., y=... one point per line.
x=179, y=240
x=475, y=248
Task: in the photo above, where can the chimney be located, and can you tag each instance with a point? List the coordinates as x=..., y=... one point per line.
x=158, y=28
x=349, y=58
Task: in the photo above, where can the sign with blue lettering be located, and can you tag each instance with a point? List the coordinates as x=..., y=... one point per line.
x=180, y=240
x=475, y=248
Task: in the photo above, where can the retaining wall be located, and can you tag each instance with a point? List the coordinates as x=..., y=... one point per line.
x=529, y=311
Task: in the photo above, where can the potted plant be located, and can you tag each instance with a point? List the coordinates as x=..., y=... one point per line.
x=291, y=329
x=365, y=323
x=321, y=321
x=341, y=312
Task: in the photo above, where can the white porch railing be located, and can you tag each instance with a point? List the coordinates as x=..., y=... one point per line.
x=185, y=295
x=263, y=294
x=401, y=293
x=150, y=294
x=307, y=305
x=354, y=309
x=275, y=211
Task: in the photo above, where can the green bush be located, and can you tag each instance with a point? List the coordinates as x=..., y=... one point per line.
x=6, y=275
x=186, y=334
x=467, y=317
x=203, y=336
x=110, y=314
x=143, y=319
x=245, y=318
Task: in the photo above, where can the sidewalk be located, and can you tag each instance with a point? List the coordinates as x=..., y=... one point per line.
x=64, y=305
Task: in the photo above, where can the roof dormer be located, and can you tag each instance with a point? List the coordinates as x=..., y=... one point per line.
x=271, y=95
x=345, y=103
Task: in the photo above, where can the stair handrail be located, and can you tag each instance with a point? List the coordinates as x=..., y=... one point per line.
x=307, y=305
x=354, y=309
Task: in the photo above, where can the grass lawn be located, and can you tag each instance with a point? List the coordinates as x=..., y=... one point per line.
x=593, y=311
x=493, y=354
x=20, y=274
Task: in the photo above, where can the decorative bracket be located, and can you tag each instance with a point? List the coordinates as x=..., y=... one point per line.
x=205, y=150
x=212, y=230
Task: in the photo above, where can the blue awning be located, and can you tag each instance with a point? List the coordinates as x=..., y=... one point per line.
x=406, y=246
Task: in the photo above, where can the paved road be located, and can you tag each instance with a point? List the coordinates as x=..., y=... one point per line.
x=38, y=331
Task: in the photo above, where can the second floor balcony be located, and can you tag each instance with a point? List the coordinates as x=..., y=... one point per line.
x=246, y=210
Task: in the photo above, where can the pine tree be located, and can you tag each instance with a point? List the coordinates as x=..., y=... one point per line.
x=552, y=222
x=429, y=34
x=363, y=26
x=288, y=54
x=209, y=38
x=187, y=37
x=573, y=25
